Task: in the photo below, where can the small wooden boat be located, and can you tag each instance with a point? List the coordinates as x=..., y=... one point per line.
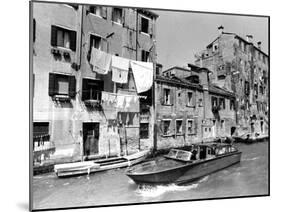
x=183, y=166
x=87, y=167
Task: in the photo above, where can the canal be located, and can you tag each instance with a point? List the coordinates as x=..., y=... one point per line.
x=250, y=177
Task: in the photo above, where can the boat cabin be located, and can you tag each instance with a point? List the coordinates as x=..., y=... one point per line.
x=200, y=152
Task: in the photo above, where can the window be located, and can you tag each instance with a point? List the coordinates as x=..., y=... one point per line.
x=222, y=103
x=258, y=106
x=95, y=10
x=144, y=56
x=40, y=133
x=179, y=126
x=214, y=101
x=200, y=102
x=91, y=89
x=166, y=127
x=95, y=41
x=144, y=25
x=167, y=96
x=60, y=84
x=190, y=127
x=190, y=99
x=256, y=89
x=247, y=88
x=221, y=77
x=61, y=37
x=222, y=124
x=117, y=15
x=261, y=90
x=232, y=104
x=34, y=30
x=144, y=130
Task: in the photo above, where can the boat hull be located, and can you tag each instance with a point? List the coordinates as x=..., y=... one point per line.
x=188, y=172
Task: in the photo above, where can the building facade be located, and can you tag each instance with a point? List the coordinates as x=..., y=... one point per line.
x=243, y=68
x=190, y=109
x=74, y=104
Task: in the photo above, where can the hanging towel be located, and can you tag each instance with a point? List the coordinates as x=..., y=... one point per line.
x=120, y=101
x=100, y=61
x=143, y=74
x=120, y=68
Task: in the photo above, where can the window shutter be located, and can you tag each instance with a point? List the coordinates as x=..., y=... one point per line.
x=53, y=36
x=161, y=127
x=51, y=84
x=72, y=86
x=123, y=17
x=150, y=29
x=172, y=96
x=139, y=24
x=73, y=40
x=84, y=90
x=104, y=12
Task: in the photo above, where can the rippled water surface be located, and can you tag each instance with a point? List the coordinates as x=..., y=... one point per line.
x=249, y=177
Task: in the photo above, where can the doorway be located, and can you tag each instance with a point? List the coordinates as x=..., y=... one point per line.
x=91, y=138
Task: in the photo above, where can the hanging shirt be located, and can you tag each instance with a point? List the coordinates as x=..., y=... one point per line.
x=143, y=74
x=120, y=68
x=100, y=61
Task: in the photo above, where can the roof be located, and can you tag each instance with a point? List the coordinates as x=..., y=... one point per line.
x=220, y=91
x=177, y=81
x=147, y=12
x=240, y=38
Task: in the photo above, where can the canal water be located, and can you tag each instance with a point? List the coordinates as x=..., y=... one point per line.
x=249, y=177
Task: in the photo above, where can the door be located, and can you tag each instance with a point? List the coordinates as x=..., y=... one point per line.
x=91, y=138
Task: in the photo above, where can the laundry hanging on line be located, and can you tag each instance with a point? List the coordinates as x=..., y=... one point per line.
x=100, y=61
x=143, y=75
x=120, y=69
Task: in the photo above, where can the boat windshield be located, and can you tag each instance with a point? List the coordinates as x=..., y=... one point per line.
x=179, y=154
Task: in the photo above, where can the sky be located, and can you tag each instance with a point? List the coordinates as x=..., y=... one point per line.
x=182, y=34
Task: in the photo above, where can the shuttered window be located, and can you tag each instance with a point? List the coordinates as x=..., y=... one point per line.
x=117, y=15
x=91, y=89
x=60, y=84
x=144, y=25
x=61, y=37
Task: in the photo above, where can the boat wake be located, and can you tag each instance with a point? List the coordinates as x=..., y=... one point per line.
x=148, y=191
x=250, y=159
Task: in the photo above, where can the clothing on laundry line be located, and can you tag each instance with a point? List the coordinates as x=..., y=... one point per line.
x=143, y=75
x=100, y=61
x=120, y=69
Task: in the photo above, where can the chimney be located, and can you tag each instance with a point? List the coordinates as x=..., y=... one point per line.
x=259, y=44
x=220, y=29
x=249, y=38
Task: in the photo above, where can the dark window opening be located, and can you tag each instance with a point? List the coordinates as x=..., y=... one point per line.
x=144, y=56
x=190, y=127
x=214, y=102
x=190, y=99
x=232, y=104
x=61, y=37
x=34, y=30
x=179, y=126
x=40, y=133
x=166, y=127
x=92, y=89
x=95, y=10
x=247, y=88
x=117, y=15
x=167, y=96
x=221, y=77
x=60, y=84
x=144, y=130
x=144, y=25
x=222, y=103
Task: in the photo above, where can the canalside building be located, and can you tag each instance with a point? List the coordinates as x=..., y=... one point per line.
x=190, y=109
x=78, y=99
x=240, y=66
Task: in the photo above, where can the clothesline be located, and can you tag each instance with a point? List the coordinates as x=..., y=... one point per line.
x=125, y=95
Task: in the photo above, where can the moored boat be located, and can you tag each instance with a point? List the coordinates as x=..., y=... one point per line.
x=87, y=167
x=183, y=166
